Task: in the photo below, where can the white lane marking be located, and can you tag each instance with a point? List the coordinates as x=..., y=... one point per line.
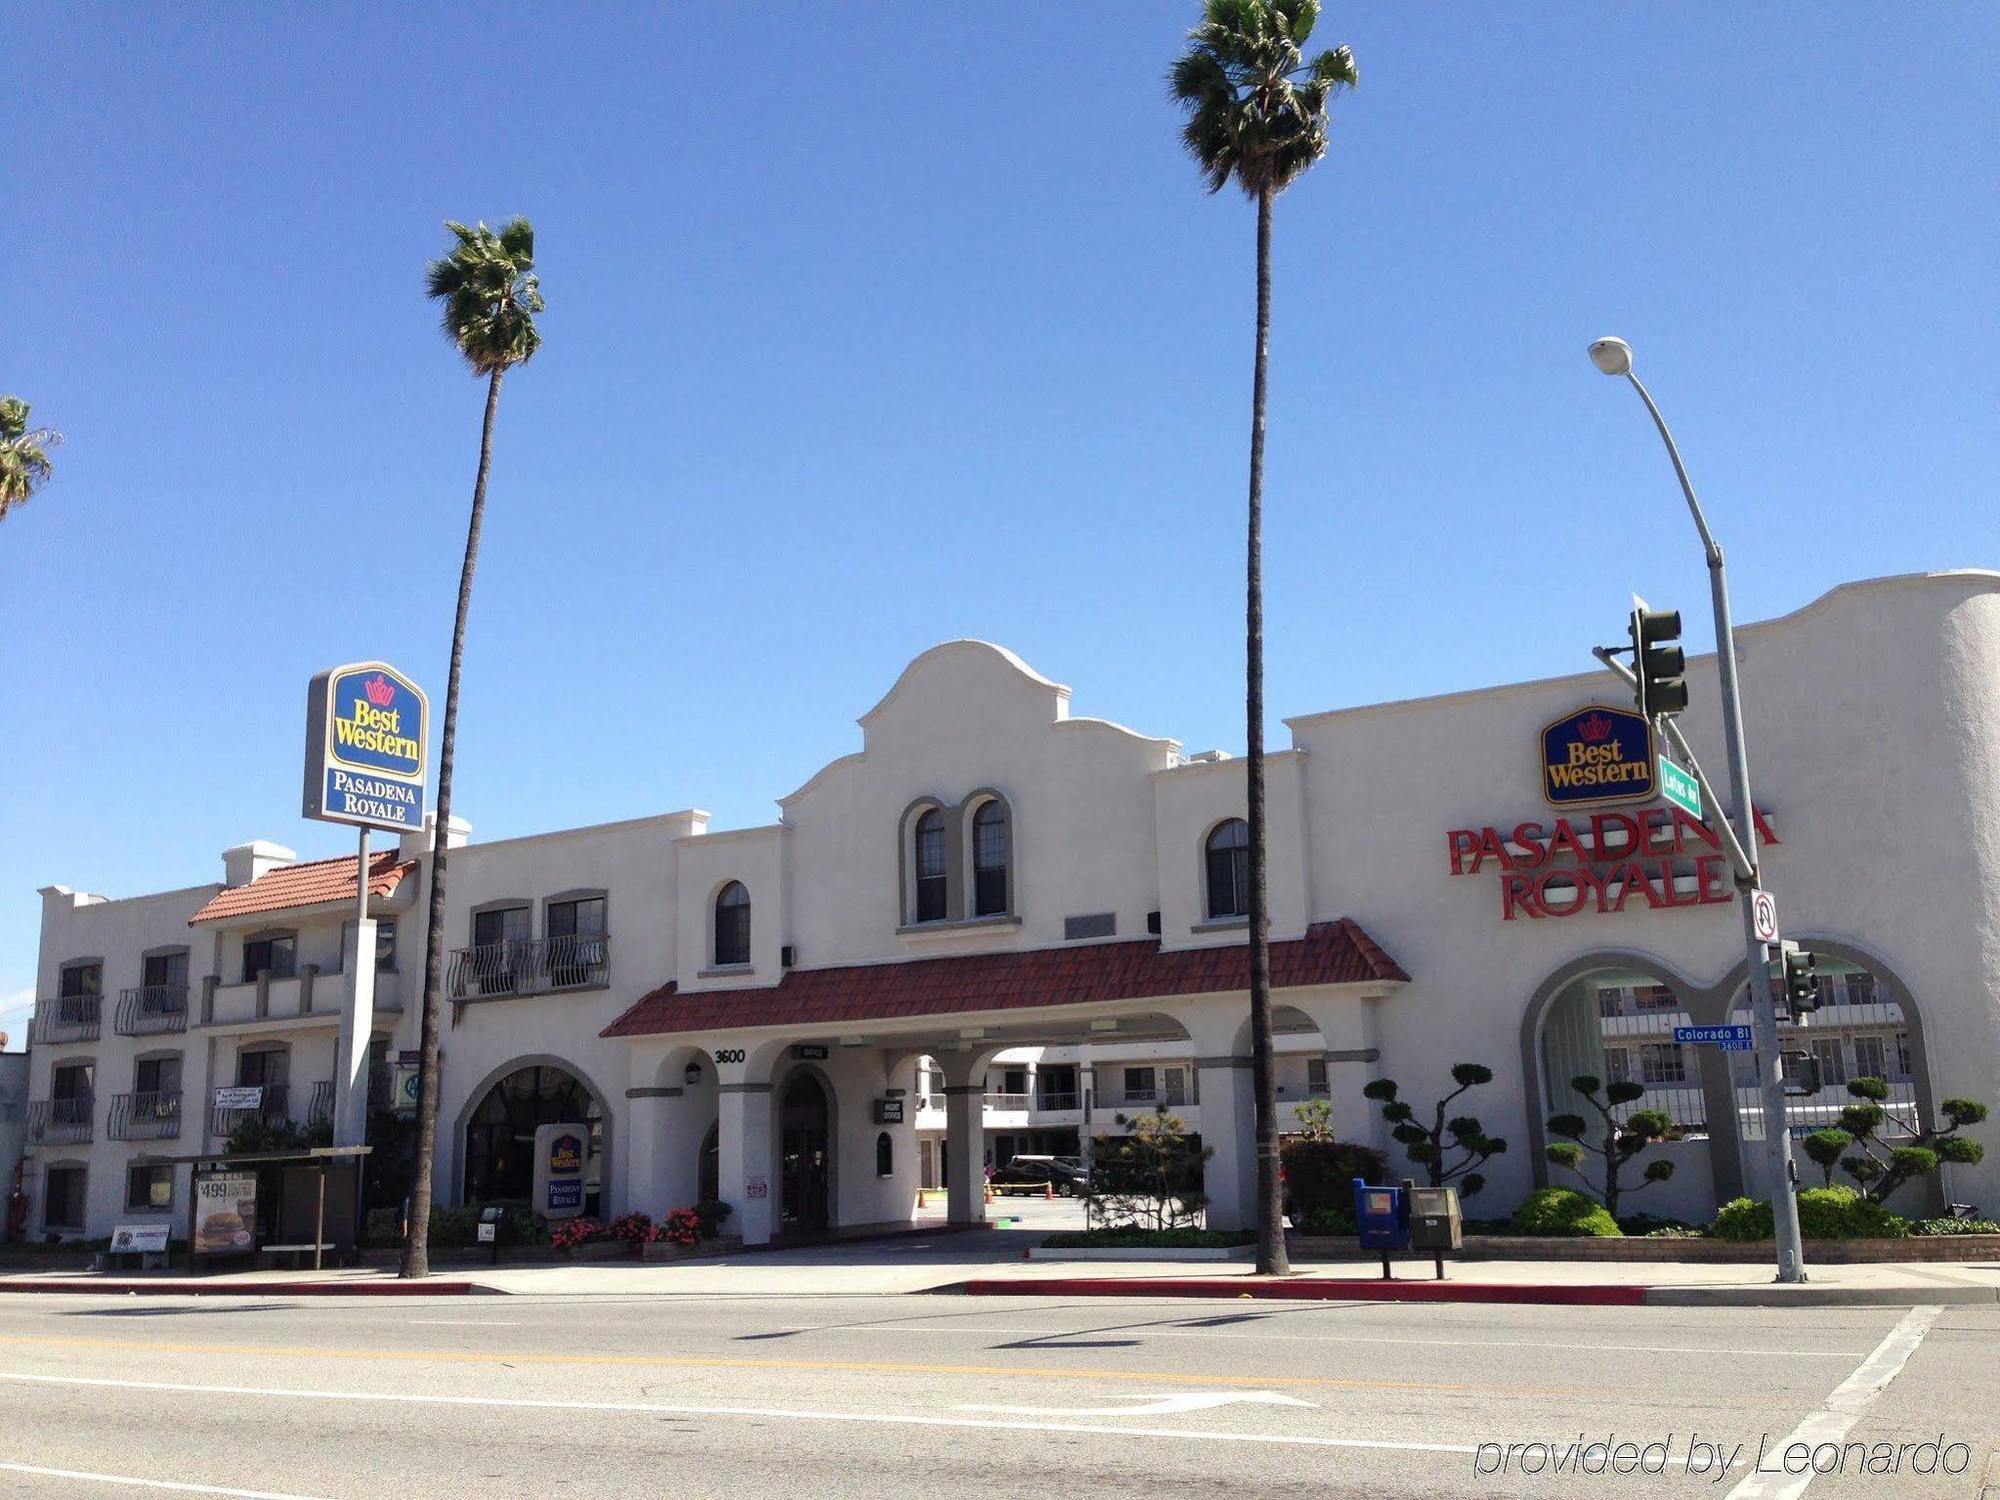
x=85, y=1477
x=1157, y=1404
x=764, y=1413
x=1319, y=1338
x=1841, y=1410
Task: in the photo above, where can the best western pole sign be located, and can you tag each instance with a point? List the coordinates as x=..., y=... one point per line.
x=366, y=726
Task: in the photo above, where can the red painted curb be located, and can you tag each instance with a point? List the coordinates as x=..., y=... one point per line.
x=1311, y=1289
x=247, y=1289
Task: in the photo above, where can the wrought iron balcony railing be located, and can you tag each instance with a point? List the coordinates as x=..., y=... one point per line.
x=58, y=1122
x=530, y=966
x=69, y=1018
x=274, y=1105
x=154, y=1116
x=319, y=1104
x=147, y=1009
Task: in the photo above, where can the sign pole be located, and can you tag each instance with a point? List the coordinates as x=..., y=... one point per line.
x=1783, y=1185
x=357, y=1026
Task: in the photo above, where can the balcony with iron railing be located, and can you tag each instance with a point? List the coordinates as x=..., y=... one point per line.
x=1005, y=1101
x=530, y=966
x=273, y=1105
x=154, y=1116
x=149, y=1009
x=1057, y=1100
x=61, y=1122
x=319, y=1103
x=69, y=1018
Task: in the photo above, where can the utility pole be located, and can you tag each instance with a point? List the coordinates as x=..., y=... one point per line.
x=1614, y=357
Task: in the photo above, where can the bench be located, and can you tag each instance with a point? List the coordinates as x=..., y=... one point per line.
x=297, y=1252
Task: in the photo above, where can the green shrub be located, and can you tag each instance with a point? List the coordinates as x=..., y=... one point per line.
x=1319, y=1175
x=1564, y=1211
x=1825, y=1213
x=453, y=1226
x=1325, y=1221
x=712, y=1214
x=1929, y=1227
x=1133, y=1238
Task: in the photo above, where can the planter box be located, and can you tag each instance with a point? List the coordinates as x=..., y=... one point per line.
x=603, y=1250
x=1954, y=1247
x=1141, y=1252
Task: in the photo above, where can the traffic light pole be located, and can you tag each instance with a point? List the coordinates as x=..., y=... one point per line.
x=1763, y=1006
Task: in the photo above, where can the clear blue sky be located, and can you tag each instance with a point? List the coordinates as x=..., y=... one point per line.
x=874, y=326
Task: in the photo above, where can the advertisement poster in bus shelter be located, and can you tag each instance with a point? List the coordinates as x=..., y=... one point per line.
x=225, y=1213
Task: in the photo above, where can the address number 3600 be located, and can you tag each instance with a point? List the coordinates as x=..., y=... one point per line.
x=728, y=1055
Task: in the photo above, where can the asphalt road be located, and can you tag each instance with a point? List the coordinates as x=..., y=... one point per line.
x=951, y=1396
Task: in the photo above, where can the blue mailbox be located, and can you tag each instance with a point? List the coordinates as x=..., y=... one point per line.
x=1382, y=1216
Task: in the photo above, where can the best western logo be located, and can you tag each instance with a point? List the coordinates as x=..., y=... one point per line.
x=1597, y=754
x=368, y=731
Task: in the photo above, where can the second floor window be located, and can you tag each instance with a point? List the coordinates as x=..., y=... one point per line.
x=1661, y=1062
x=73, y=1081
x=989, y=859
x=165, y=970
x=156, y=1075
x=79, y=981
x=732, y=925
x=278, y=952
x=930, y=860
x=1229, y=870
x=271, y=1068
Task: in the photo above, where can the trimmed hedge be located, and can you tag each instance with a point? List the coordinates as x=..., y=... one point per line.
x=1319, y=1175
x=1928, y=1227
x=1825, y=1213
x=1564, y=1211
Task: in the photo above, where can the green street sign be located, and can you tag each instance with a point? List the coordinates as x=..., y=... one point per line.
x=1680, y=788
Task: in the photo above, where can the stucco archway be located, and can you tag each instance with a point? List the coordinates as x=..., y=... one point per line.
x=548, y=1098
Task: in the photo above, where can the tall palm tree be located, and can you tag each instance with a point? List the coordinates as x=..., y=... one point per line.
x=25, y=465
x=490, y=295
x=1256, y=112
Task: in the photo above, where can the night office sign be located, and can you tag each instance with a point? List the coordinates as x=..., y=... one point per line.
x=365, y=745
x=1597, y=755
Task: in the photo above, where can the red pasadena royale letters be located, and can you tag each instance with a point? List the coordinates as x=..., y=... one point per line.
x=1605, y=861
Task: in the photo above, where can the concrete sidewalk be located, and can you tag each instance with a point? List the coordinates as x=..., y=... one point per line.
x=993, y=1264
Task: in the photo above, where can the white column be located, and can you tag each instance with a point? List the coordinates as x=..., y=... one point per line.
x=1229, y=1127
x=743, y=1147
x=357, y=1021
x=965, y=1152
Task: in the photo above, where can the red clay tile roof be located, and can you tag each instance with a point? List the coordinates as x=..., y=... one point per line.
x=1330, y=953
x=313, y=883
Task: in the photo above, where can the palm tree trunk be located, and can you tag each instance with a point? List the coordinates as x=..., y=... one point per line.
x=1271, y=1257
x=416, y=1244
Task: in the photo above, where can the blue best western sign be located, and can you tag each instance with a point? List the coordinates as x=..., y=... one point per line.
x=366, y=728
x=1597, y=754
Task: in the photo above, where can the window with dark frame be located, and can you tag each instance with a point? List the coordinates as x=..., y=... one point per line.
x=164, y=970
x=1316, y=1082
x=157, y=1075
x=989, y=859
x=80, y=980
x=929, y=862
x=149, y=1186
x=62, y=1198
x=576, y=941
x=73, y=1081
x=276, y=951
x=732, y=925
x=1229, y=870
x=1662, y=1062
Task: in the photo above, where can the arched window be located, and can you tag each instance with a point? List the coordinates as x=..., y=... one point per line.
x=885, y=1156
x=929, y=863
x=732, y=925
x=499, y=1138
x=989, y=859
x=1229, y=870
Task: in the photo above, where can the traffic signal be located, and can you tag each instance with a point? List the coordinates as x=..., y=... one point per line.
x=1795, y=980
x=1801, y=1072
x=1659, y=665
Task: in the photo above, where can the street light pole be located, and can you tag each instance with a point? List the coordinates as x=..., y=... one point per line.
x=1614, y=357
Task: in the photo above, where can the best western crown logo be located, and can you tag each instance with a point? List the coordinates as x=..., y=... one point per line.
x=1597, y=754
x=380, y=690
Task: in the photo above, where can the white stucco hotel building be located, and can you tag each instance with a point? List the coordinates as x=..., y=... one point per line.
x=994, y=905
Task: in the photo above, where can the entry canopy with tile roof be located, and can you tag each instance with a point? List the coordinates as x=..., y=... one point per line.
x=1337, y=952
x=317, y=882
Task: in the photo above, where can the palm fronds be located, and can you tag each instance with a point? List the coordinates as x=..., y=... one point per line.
x=25, y=465
x=489, y=294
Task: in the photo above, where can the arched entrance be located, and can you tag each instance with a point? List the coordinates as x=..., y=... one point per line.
x=804, y=1156
x=500, y=1134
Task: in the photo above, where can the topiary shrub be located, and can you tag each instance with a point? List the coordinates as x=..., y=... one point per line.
x=1614, y=1141
x=1564, y=1211
x=1881, y=1165
x=1427, y=1145
x=1825, y=1213
x=1319, y=1175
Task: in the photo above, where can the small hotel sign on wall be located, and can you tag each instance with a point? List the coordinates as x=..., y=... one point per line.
x=1597, y=754
x=365, y=747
